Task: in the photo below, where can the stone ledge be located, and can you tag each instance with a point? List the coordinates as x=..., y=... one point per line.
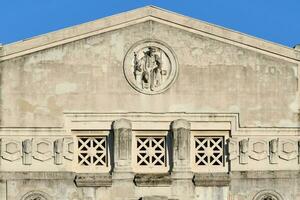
x=152, y=180
x=282, y=174
x=211, y=179
x=93, y=180
x=37, y=175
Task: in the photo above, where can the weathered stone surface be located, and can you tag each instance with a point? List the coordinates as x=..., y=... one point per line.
x=152, y=180
x=212, y=180
x=93, y=180
x=102, y=110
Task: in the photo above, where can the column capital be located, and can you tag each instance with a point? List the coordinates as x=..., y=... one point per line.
x=181, y=123
x=122, y=123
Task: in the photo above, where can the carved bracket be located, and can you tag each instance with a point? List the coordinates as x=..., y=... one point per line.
x=274, y=151
x=211, y=179
x=152, y=180
x=233, y=148
x=244, y=148
x=27, y=151
x=93, y=180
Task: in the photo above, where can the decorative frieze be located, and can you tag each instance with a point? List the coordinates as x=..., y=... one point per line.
x=277, y=150
x=288, y=149
x=11, y=150
x=42, y=149
x=68, y=148
x=258, y=149
x=179, y=150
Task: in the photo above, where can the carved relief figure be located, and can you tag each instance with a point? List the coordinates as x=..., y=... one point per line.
x=150, y=67
x=148, y=71
x=268, y=198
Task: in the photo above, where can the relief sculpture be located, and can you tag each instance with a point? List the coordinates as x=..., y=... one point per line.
x=148, y=71
x=150, y=67
x=36, y=195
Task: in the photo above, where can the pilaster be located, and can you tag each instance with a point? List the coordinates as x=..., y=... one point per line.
x=122, y=168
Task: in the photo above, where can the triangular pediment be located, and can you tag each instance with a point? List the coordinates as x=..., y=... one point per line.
x=149, y=13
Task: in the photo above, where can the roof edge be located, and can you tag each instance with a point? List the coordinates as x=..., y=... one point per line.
x=84, y=30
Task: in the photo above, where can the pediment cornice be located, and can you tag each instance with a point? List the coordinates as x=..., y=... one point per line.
x=140, y=15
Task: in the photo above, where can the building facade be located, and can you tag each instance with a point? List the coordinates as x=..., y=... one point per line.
x=149, y=105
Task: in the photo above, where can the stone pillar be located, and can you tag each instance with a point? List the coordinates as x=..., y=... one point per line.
x=181, y=173
x=122, y=146
x=123, y=175
x=181, y=145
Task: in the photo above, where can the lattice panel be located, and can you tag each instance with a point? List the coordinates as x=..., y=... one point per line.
x=151, y=151
x=209, y=151
x=92, y=151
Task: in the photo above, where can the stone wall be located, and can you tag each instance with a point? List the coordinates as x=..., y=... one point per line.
x=87, y=76
x=149, y=105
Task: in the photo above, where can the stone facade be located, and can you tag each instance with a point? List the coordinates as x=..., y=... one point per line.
x=149, y=105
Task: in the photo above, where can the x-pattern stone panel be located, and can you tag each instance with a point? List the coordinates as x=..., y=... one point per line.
x=209, y=151
x=92, y=151
x=151, y=151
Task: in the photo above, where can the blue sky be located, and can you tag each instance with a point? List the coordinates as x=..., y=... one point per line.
x=273, y=20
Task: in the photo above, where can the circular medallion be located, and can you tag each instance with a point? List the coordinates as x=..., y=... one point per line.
x=267, y=195
x=150, y=67
x=36, y=195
